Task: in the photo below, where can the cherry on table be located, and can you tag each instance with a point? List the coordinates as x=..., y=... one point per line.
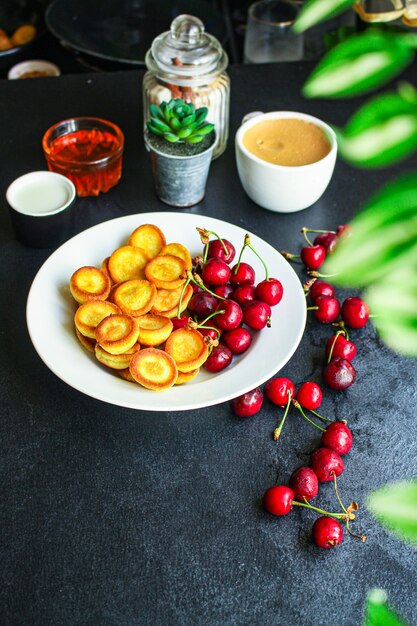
x=270, y=291
x=304, y=483
x=215, y=272
x=247, y=404
x=355, y=312
x=231, y=315
x=339, y=374
x=327, y=240
x=313, y=256
x=309, y=396
x=326, y=309
x=338, y=345
x=219, y=358
x=338, y=437
x=244, y=293
x=321, y=288
x=224, y=291
x=277, y=390
x=327, y=532
x=278, y=500
x=202, y=304
x=256, y=314
x=238, y=339
x=242, y=274
x=216, y=248
x=325, y=463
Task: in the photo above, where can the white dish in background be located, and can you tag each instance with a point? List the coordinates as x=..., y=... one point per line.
x=50, y=312
x=36, y=65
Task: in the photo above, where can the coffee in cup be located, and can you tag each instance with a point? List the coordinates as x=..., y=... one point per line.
x=285, y=159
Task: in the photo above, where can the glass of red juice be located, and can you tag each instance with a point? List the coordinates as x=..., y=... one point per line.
x=88, y=151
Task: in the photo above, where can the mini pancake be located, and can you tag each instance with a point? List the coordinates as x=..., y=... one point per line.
x=117, y=333
x=177, y=249
x=166, y=272
x=188, y=348
x=116, y=361
x=125, y=373
x=149, y=237
x=153, y=329
x=105, y=267
x=184, y=377
x=127, y=263
x=89, y=283
x=167, y=301
x=86, y=342
x=135, y=297
x=153, y=369
x=89, y=315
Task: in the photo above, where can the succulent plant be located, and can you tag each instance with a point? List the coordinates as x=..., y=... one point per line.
x=177, y=120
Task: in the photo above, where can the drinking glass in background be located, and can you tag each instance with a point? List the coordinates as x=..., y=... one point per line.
x=268, y=36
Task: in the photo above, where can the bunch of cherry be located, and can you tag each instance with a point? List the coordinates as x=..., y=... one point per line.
x=226, y=304
x=338, y=371
x=326, y=462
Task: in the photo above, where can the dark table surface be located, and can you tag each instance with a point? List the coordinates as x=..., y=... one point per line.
x=114, y=516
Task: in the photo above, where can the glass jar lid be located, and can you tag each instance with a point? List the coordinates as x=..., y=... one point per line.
x=186, y=53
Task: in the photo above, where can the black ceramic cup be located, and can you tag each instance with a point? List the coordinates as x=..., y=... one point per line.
x=40, y=208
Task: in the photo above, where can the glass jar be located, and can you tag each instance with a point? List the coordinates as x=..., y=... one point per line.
x=186, y=62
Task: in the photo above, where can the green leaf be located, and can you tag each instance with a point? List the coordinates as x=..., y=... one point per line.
x=186, y=121
x=160, y=125
x=184, y=132
x=395, y=506
x=155, y=111
x=171, y=137
x=194, y=138
x=175, y=124
x=359, y=65
x=393, y=301
x=205, y=129
x=383, y=237
x=381, y=132
x=201, y=114
x=378, y=613
x=154, y=130
x=316, y=11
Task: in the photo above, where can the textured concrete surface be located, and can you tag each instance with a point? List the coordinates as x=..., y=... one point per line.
x=111, y=516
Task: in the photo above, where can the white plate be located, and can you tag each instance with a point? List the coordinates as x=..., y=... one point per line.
x=50, y=312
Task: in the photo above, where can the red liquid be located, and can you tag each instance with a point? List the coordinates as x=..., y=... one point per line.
x=92, y=159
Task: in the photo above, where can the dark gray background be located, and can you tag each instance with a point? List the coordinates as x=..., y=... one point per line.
x=112, y=516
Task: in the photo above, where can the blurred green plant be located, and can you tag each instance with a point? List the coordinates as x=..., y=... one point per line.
x=178, y=121
x=378, y=613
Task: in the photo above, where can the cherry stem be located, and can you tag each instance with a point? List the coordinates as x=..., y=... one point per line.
x=277, y=431
x=305, y=230
x=204, y=234
x=325, y=419
x=318, y=275
x=343, y=516
x=339, y=332
x=313, y=230
x=336, y=490
x=195, y=278
x=308, y=285
x=300, y=408
x=249, y=245
x=184, y=287
x=289, y=255
x=312, y=308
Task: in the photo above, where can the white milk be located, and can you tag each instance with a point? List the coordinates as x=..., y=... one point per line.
x=40, y=193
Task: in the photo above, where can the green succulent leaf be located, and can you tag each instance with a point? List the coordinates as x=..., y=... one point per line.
x=378, y=612
x=155, y=111
x=171, y=137
x=383, y=237
x=360, y=64
x=160, y=125
x=175, y=124
x=154, y=130
x=184, y=132
x=316, y=11
x=201, y=114
x=190, y=119
x=194, y=138
x=395, y=506
x=382, y=131
x=205, y=129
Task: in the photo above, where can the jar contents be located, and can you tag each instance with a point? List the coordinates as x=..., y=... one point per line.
x=91, y=158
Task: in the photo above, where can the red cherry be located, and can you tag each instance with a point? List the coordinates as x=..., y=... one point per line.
x=313, y=256
x=325, y=462
x=219, y=358
x=342, y=230
x=244, y=274
x=244, y=293
x=339, y=374
x=304, y=483
x=256, y=314
x=269, y=291
x=224, y=291
x=337, y=437
x=338, y=345
x=355, y=312
x=320, y=288
x=215, y=272
x=326, y=309
x=327, y=240
x=180, y=322
x=209, y=332
x=231, y=317
x=248, y=404
x=277, y=389
x=327, y=532
x=309, y=395
x=278, y=500
x=216, y=249
x=202, y=304
x=238, y=340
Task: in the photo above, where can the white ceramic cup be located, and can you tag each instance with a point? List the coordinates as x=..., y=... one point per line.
x=283, y=188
